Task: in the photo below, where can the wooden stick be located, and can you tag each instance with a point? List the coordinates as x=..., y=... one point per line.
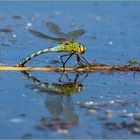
x=94, y=67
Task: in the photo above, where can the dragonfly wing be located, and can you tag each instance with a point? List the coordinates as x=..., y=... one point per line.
x=55, y=29
x=74, y=35
x=41, y=35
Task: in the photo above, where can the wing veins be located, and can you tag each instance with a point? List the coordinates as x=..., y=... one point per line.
x=74, y=35
x=41, y=35
x=53, y=28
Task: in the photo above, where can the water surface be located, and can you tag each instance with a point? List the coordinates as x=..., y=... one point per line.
x=97, y=105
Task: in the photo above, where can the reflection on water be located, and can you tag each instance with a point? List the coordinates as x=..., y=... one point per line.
x=58, y=101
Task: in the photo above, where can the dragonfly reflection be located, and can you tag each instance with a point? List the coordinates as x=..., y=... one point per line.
x=58, y=102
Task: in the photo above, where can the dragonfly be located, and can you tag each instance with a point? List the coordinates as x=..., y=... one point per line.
x=65, y=42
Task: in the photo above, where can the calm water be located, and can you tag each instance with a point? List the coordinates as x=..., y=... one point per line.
x=50, y=105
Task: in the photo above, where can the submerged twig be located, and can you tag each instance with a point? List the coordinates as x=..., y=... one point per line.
x=92, y=67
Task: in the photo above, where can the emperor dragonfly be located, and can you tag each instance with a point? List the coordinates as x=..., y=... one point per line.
x=66, y=43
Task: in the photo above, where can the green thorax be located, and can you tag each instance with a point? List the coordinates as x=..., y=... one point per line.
x=73, y=47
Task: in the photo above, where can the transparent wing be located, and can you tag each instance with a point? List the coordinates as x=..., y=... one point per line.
x=74, y=35
x=51, y=39
x=55, y=29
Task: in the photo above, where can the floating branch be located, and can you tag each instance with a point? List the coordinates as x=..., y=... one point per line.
x=93, y=67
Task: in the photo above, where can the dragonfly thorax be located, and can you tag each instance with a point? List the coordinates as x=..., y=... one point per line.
x=73, y=47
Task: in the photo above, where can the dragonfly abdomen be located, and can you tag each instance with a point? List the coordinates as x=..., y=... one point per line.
x=53, y=49
x=57, y=48
x=32, y=56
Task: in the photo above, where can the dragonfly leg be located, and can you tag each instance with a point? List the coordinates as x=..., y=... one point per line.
x=64, y=62
x=82, y=61
x=86, y=60
x=79, y=61
x=66, y=75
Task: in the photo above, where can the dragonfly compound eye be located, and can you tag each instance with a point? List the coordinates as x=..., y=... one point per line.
x=83, y=49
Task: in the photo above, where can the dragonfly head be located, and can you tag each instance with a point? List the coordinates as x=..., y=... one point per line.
x=82, y=48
